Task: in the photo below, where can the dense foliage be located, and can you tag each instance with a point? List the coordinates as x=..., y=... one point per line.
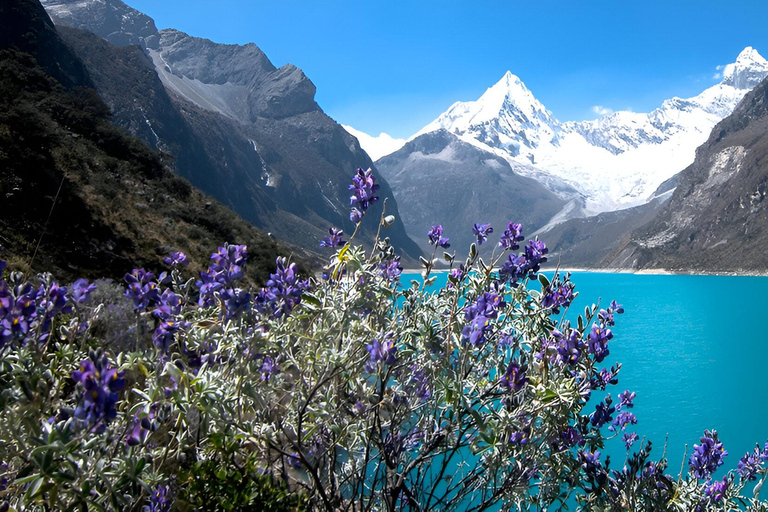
x=350, y=391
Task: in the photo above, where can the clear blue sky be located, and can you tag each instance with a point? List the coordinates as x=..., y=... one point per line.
x=393, y=66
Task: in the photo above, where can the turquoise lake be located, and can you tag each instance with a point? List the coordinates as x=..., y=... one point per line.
x=694, y=349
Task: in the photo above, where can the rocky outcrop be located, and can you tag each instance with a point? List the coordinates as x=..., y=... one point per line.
x=716, y=220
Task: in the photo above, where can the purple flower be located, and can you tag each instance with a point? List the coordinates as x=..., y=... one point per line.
x=629, y=439
x=363, y=188
x=716, y=490
x=626, y=399
x=707, y=456
x=100, y=384
x=142, y=425
x=228, y=263
x=396, y=443
x=534, y=254
x=269, y=368
x=522, y=437
x=226, y=268
x=176, y=259
x=51, y=300
x=488, y=305
x=355, y=215
x=474, y=331
x=391, y=269
x=514, y=269
x=236, y=302
x=168, y=306
x=515, y=377
x=481, y=231
x=165, y=334
x=590, y=461
x=605, y=377
x=512, y=235
x=558, y=293
x=456, y=275
x=384, y=351
x=333, y=239
x=603, y=413
x=750, y=464
x=208, y=284
x=597, y=341
x=621, y=421
x=81, y=291
x=160, y=500
x=418, y=384
x=283, y=291
x=569, y=438
x=436, y=237
x=606, y=316
x=141, y=288
x=568, y=346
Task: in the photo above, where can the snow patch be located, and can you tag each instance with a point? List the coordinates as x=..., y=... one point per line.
x=376, y=147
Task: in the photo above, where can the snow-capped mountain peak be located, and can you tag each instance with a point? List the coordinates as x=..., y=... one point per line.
x=616, y=161
x=507, y=116
x=748, y=70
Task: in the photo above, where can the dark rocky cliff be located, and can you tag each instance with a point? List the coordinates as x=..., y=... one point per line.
x=80, y=197
x=716, y=220
x=248, y=133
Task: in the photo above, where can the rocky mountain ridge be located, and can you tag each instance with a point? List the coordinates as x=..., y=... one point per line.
x=80, y=197
x=269, y=150
x=717, y=219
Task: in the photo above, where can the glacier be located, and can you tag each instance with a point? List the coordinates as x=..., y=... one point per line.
x=615, y=162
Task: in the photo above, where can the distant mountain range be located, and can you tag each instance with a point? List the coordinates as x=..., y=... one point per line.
x=236, y=126
x=620, y=161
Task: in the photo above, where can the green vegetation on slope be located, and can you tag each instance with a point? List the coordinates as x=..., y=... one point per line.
x=116, y=205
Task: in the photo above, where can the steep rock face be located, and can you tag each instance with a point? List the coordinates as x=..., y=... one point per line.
x=585, y=242
x=439, y=179
x=248, y=133
x=210, y=151
x=81, y=198
x=716, y=220
x=114, y=21
x=27, y=27
x=237, y=81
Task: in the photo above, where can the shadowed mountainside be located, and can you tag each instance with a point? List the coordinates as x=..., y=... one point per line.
x=113, y=204
x=439, y=179
x=244, y=131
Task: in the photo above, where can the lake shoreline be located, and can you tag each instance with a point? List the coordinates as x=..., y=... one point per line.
x=645, y=271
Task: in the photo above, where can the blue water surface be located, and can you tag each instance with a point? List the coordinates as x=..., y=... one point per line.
x=694, y=349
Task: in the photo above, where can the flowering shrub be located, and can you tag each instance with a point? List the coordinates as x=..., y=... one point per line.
x=351, y=391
